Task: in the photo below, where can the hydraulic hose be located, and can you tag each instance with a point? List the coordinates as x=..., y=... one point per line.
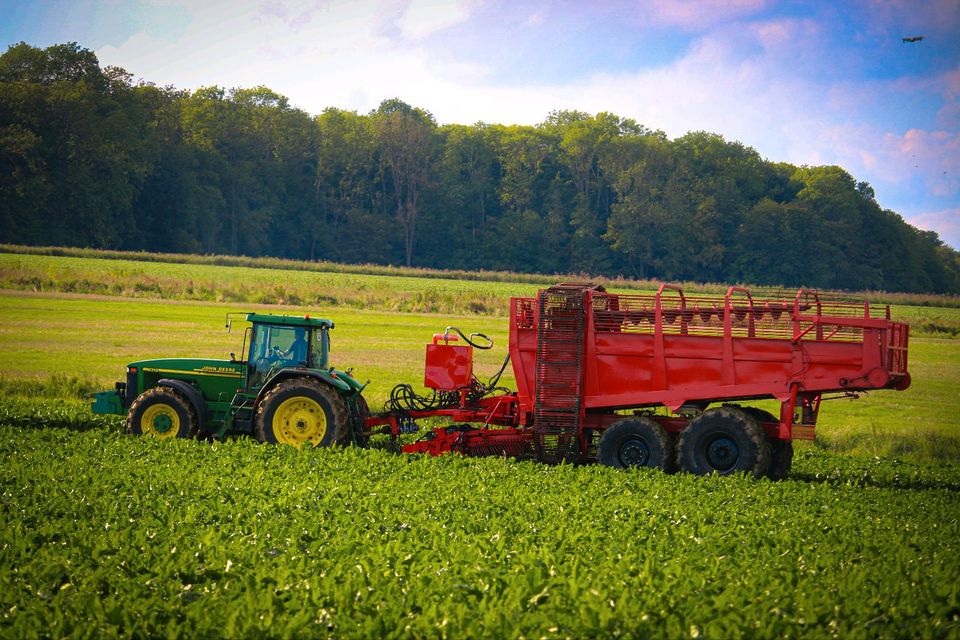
x=469, y=340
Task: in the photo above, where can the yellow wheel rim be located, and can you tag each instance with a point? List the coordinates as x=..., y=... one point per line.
x=160, y=421
x=299, y=420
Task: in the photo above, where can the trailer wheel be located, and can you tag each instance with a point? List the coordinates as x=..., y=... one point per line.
x=781, y=458
x=162, y=413
x=301, y=411
x=724, y=441
x=781, y=451
x=672, y=465
x=635, y=442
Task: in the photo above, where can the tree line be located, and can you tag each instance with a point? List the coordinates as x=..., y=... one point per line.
x=90, y=157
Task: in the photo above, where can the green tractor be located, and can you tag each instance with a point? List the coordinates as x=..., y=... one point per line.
x=283, y=392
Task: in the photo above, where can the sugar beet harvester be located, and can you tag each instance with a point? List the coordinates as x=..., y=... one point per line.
x=591, y=369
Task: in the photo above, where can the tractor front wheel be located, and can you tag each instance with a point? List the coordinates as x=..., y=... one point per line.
x=162, y=413
x=723, y=441
x=301, y=411
x=636, y=442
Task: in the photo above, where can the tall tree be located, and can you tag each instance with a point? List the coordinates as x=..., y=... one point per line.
x=73, y=139
x=346, y=197
x=405, y=136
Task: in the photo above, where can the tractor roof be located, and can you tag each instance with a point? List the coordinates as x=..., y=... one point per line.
x=294, y=321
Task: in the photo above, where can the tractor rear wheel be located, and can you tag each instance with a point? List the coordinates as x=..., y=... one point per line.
x=162, y=413
x=362, y=412
x=636, y=442
x=302, y=411
x=724, y=440
x=781, y=451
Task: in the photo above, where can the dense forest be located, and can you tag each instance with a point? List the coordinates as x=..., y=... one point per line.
x=90, y=157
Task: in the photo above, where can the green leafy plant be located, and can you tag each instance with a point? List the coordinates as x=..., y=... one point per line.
x=113, y=535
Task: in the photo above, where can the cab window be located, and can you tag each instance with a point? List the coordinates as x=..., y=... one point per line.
x=320, y=348
x=275, y=347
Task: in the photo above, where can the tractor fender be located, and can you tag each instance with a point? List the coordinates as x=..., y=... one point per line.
x=322, y=375
x=349, y=380
x=191, y=393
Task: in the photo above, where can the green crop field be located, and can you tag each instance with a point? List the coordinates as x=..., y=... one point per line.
x=109, y=535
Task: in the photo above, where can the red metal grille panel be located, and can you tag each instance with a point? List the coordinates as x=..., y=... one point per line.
x=774, y=318
x=559, y=373
x=897, y=348
x=524, y=312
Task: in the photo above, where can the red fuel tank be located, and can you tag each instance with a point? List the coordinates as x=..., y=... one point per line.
x=448, y=366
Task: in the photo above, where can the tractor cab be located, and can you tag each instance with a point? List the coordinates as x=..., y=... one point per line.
x=280, y=342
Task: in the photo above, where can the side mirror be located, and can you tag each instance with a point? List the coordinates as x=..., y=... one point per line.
x=229, y=326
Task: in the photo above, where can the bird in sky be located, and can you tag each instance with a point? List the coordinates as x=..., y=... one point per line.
x=913, y=39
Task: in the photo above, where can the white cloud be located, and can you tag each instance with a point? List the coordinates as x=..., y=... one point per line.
x=423, y=17
x=535, y=20
x=335, y=54
x=294, y=14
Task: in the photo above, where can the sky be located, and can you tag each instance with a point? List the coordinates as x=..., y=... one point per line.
x=804, y=82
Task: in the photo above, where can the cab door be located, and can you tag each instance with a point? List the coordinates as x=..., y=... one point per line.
x=270, y=349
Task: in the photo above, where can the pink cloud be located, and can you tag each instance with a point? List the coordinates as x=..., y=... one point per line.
x=699, y=14
x=778, y=36
x=945, y=222
x=949, y=114
x=935, y=153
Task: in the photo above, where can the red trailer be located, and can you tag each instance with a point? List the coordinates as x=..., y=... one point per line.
x=628, y=379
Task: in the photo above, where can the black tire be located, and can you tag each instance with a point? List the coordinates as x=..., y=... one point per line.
x=302, y=411
x=724, y=440
x=357, y=436
x=673, y=465
x=635, y=442
x=781, y=451
x=162, y=413
x=781, y=459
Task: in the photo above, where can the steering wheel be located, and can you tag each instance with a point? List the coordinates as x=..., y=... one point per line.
x=264, y=362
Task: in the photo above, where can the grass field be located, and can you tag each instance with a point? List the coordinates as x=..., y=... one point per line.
x=258, y=285
x=108, y=535
x=176, y=281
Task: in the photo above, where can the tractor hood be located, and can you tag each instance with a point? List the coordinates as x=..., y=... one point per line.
x=191, y=367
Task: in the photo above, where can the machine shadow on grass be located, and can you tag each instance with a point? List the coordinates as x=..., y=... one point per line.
x=839, y=469
x=849, y=480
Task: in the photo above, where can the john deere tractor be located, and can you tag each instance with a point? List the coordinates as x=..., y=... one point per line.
x=283, y=391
